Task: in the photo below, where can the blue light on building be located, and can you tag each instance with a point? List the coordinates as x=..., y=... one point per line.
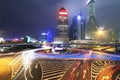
x=46, y=37
x=77, y=28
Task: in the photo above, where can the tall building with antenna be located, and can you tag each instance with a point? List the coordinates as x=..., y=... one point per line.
x=92, y=25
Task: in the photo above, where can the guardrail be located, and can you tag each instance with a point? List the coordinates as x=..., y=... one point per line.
x=84, y=45
x=17, y=44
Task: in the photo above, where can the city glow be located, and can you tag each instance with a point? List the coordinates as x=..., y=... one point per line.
x=16, y=40
x=1, y=40
x=100, y=31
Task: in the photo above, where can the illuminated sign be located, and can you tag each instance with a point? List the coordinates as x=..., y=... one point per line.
x=63, y=13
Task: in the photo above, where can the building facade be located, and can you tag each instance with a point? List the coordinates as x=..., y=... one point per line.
x=92, y=25
x=77, y=28
x=62, y=28
x=45, y=37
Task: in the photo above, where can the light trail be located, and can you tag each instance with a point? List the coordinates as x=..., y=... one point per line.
x=28, y=57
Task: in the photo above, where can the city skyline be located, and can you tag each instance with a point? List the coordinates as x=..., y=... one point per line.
x=19, y=18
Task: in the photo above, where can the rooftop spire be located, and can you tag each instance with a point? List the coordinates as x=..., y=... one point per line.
x=62, y=11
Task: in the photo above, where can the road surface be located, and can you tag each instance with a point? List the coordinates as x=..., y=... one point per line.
x=87, y=65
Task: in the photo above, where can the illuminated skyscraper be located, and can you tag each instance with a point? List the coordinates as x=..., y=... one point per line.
x=45, y=37
x=92, y=25
x=77, y=28
x=63, y=25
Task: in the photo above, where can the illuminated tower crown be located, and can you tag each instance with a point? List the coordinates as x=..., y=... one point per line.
x=91, y=8
x=62, y=17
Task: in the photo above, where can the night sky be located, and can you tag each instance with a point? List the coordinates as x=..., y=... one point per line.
x=31, y=17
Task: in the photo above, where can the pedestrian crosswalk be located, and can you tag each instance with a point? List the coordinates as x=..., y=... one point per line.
x=16, y=65
x=98, y=65
x=54, y=70
x=118, y=77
